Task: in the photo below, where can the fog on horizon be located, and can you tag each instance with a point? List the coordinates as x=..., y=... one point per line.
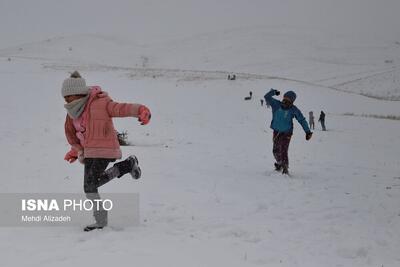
x=147, y=20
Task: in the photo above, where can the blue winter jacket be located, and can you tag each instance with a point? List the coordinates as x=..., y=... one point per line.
x=282, y=119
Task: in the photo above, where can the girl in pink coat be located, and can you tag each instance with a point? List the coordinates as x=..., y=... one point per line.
x=90, y=132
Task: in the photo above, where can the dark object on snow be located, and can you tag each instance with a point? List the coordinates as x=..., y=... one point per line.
x=250, y=96
x=92, y=227
x=123, y=138
x=232, y=77
x=262, y=102
x=322, y=120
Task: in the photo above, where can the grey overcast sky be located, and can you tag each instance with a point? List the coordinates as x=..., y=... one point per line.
x=28, y=20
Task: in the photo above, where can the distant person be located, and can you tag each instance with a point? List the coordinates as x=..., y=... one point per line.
x=250, y=96
x=229, y=77
x=283, y=113
x=322, y=120
x=311, y=120
x=262, y=102
x=90, y=132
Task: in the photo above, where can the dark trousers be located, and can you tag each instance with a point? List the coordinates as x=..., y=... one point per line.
x=96, y=174
x=323, y=125
x=280, y=148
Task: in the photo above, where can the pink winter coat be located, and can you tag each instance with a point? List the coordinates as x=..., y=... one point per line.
x=93, y=132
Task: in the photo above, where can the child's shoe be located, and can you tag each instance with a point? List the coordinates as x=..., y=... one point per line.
x=285, y=170
x=278, y=167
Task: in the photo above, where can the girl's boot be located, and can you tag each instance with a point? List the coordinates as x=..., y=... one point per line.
x=130, y=165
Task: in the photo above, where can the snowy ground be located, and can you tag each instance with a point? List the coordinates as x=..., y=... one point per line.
x=209, y=195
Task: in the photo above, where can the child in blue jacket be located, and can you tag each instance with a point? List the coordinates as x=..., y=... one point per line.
x=283, y=113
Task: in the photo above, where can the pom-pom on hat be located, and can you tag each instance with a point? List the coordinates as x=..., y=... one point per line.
x=74, y=85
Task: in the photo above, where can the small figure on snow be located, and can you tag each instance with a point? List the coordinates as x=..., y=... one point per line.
x=262, y=102
x=250, y=96
x=90, y=132
x=232, y=77
x=283, y=113
x=322, y=120
x=311, y=120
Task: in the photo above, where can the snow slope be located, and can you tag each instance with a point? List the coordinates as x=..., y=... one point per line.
x=209, y=195
x=366, y=66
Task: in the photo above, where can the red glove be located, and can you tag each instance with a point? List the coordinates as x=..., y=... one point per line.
x=144, y=115
x=71, y=156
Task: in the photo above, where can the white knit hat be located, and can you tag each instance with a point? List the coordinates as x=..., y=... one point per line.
x=74, y=85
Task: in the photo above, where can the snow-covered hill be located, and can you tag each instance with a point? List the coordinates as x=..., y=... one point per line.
x=209, y=195
x=359, y=66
